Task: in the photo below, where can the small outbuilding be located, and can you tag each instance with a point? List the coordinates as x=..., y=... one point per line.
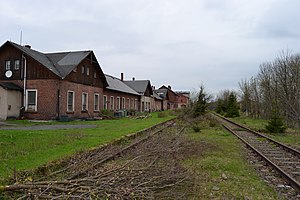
x=10, y=100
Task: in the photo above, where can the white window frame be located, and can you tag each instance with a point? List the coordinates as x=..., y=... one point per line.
x=96, y=109
x=128, y=100
x=87, y=71
x=7, y=65
x=17, y=64
x=112, y=103
x=26, y=105
x=104, y=102
x=123, y=103
x=87, y=102
x=118, y=103
x=73, y=101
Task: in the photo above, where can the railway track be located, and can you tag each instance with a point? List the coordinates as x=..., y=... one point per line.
x=136, y=168
x=282, y=158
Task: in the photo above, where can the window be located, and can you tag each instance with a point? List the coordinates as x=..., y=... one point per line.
x=7, y=65
x=128, y=101
x=132, y=104
x=87, y=71
x=31, y=100
x=135, y=104
x=70, y=103
x=17, y=64
x=118, y=103
x=96, y=102
x=95, y=74
x=84, y=101
x=123, y=103
x=82, y=69
x=111, y=103
x=105, y=102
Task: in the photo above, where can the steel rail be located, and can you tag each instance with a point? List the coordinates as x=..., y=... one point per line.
x=290, y=149
x=294, y=183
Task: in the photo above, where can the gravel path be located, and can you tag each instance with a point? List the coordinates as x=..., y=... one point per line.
x=49, y=127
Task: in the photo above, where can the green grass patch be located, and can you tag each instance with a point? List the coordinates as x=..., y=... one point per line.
x=223, y=172
x=25, y=150
x=253, y=123
x=291, y=137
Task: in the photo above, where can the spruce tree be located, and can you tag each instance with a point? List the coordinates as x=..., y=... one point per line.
x=232, y=109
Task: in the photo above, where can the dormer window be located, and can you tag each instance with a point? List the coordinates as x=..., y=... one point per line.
x=7, y=65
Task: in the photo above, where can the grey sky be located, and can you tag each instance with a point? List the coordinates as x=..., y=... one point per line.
x=177, y=42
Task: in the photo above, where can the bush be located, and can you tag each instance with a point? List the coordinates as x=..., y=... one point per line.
x=196, y=128
x=276, y=125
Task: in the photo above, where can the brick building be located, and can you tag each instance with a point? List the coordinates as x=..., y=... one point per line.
x=119, y=96
x=53, y=84
x=169, y=96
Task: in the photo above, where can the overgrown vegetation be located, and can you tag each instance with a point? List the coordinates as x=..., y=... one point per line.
x=223, y=172
x=20, y=150
x=278, y=81
x=227, y=104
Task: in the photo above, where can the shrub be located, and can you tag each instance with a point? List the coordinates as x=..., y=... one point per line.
x=276, y=125
x=196, y=128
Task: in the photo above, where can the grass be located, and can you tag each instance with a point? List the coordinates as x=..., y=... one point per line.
x=25, y=150
x=223, y=172
x=291, y=137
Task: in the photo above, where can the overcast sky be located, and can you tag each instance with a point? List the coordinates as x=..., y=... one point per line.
x=181, y=43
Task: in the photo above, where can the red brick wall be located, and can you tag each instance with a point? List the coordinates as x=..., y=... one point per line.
x=78, y=89
x=116, y=94
x=47, y=99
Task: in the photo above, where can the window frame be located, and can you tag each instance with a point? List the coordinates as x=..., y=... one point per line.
x=118, y=103
x=86, y=101
x=17, y=61
x=123, y=103
x=36, y=103
x=105, y=102
x=112, y=104
x=73, y=101
x=7, y=65
x=98, y=102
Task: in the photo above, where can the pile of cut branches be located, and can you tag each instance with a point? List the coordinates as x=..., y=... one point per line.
x=150, y=169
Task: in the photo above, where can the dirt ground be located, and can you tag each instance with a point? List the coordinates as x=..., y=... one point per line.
x=152, y=169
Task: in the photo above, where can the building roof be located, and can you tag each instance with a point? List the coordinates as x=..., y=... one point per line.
x=156, y=95
x=162, y=93
x=65, y=62
x=10, y=86
x=61, y=63
x=140, y=86
x=118, y=85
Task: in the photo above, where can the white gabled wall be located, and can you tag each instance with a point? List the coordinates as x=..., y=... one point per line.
x=3, y=103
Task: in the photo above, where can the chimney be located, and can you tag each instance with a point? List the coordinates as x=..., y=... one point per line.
x=122, y=76
x=27, y=46
x=133, y=78
x=169, y=87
